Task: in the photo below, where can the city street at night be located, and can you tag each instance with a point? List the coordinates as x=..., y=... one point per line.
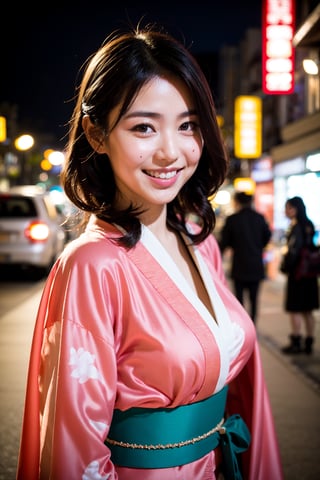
x=146, y=129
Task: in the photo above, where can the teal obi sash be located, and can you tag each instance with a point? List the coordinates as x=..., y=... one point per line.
x=168, y=437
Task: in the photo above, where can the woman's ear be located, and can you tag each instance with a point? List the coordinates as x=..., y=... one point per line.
x=94, y=134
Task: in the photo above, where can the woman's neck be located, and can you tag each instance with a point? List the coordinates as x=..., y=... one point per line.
x=156, y=222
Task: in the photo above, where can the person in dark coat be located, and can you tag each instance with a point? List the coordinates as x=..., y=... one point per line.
x=301, y=295
x=247, y=233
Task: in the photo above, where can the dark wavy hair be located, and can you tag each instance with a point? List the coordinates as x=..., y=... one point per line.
x=114, y=76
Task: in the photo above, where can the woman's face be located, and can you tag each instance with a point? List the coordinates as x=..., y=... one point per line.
x=290, y=211
x=156, y=146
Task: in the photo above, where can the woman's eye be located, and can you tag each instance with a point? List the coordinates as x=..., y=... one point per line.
x=189, y=126
x=143, y=128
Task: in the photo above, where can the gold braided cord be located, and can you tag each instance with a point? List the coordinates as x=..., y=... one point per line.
x=140, y=446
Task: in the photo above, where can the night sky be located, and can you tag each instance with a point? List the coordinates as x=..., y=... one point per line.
x=45, y=46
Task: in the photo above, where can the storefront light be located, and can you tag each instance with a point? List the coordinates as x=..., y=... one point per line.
x=294, y=166
x=311, y=67
x=222, y=197
x=313, y=162
x=245, y=184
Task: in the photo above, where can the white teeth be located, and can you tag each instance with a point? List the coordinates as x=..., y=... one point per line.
x=162, y=175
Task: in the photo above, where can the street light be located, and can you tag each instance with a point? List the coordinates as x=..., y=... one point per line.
x=23, y=144
x=310, y=66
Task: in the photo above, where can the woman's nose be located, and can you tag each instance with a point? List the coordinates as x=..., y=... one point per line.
x=168, y=148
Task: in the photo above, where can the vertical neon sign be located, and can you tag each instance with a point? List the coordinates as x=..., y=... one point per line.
x=248, y=126
x=277, y=49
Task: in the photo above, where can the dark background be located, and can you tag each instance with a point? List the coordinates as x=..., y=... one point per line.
x=44, y=46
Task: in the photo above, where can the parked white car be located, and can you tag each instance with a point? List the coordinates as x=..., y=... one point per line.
x=31, y=234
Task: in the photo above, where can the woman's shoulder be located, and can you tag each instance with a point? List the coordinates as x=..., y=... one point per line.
x=310, y=228
x=96, y=245
x=304, y=229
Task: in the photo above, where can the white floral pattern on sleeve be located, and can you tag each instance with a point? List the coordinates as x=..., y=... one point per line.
x=83, y=363
x=99, y=426
x=92, y=472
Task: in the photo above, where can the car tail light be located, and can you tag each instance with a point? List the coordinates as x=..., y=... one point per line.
x=37, y=232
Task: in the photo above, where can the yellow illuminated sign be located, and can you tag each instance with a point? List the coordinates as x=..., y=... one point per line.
x=248, y=127
x=3, y=129
x=245, y=184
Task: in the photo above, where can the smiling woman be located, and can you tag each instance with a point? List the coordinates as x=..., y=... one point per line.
x=104, y=110
x=141, y=352
x=154, y=148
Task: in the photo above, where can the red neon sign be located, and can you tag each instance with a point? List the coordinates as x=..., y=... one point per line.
x=277, y=49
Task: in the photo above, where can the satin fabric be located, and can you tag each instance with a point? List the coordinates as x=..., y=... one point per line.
x=120, y=328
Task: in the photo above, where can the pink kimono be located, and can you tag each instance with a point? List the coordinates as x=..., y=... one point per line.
x=121, y=329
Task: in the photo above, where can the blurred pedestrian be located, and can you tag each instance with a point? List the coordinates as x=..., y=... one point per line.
x=302, y=294
x=143, y=364
x=247, y=233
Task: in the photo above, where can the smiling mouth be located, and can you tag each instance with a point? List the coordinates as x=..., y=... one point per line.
x=162, y=175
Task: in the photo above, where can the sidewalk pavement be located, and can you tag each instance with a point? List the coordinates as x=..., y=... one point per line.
x=273, y=327
x=293, y=382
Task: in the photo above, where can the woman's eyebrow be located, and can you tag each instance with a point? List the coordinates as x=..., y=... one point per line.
x=145, y=113
x=142, y=113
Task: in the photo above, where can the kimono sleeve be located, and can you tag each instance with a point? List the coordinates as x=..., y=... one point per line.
x=249, y=397
x=71, y=381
